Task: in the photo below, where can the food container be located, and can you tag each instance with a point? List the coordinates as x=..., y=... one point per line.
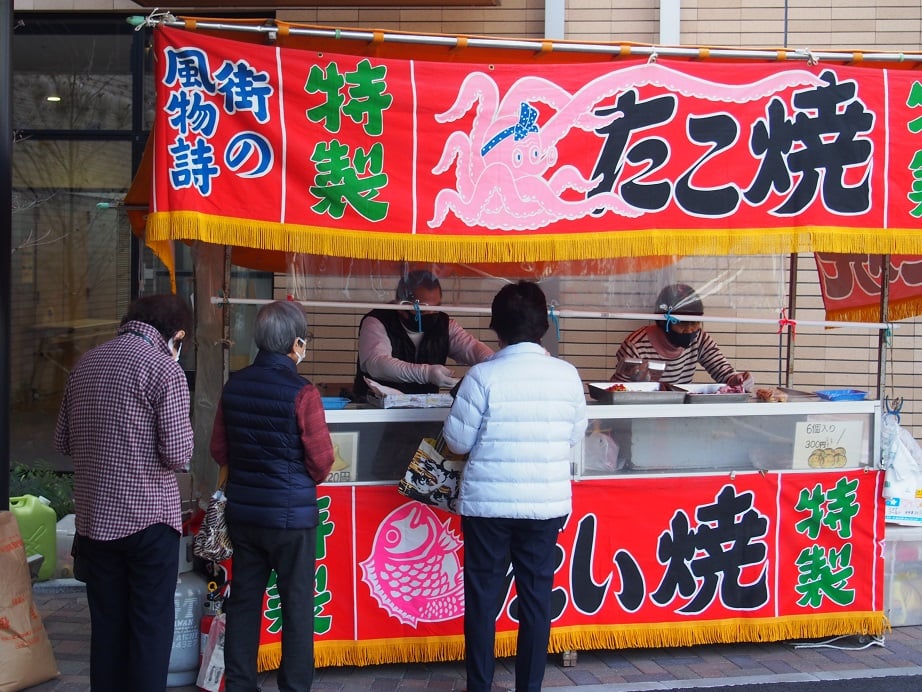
x=709, y=394
x=639, y=370
x=842, y=394
x=439, y=400
x=334, y=402
x=634, y=393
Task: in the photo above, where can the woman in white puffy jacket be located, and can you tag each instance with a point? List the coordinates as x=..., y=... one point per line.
x=516, y=415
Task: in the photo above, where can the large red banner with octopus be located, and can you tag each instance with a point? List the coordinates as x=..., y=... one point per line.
x=282, y=149
x=641, y=562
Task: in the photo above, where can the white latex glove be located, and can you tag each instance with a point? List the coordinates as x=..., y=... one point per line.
x=442, y=377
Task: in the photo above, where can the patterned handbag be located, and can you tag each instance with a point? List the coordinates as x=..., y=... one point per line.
x=212, y=541
x=433, y=475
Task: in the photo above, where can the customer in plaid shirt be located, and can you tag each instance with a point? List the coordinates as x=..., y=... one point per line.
x=125, y=422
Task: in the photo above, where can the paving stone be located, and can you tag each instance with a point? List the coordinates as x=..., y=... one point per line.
x=66, y=617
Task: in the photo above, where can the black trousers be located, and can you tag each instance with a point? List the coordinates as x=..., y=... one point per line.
x=490, y=544
x=130, y=585
x=292, y=554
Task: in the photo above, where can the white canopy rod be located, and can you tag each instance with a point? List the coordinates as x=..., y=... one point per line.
x=271, y=30
x=470, y=310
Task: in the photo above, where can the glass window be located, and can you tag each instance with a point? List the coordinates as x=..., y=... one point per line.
x=71, y=76
x=73, y=155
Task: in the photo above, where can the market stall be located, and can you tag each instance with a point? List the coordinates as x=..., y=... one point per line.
x=485, y=155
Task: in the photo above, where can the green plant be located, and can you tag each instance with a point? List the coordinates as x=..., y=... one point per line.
x=40, y=480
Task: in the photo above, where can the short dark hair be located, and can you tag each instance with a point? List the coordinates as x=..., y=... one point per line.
x=277, y=326
x=167, y=313
x=679, y=299
x=418, y=278
x=519, y=313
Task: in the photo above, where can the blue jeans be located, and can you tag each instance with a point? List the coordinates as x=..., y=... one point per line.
x=130, y=585
x=490, y=544
x=292, y=554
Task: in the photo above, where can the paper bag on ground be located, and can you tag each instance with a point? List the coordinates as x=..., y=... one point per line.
x=26, y=656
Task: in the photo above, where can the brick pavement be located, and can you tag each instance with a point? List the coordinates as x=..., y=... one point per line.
x=62, y=604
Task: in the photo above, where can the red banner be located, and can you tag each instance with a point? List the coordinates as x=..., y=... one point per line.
x=641, y=562
x=331, y=154
x=851, y=286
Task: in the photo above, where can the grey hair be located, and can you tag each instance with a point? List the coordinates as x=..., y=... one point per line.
x=278, y=324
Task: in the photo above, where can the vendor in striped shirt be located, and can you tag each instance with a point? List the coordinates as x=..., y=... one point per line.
x=680, y=344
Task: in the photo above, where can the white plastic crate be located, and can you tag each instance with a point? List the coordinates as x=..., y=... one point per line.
x=903, y=575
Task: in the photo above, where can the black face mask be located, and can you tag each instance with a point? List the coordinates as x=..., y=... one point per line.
x=680, y=339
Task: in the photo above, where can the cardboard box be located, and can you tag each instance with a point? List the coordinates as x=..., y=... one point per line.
x=903, y=575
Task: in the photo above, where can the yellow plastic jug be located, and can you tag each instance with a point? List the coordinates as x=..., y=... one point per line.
x=38, y=526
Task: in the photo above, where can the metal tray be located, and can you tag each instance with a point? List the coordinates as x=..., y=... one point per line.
x=707, y=394
x=636, y=393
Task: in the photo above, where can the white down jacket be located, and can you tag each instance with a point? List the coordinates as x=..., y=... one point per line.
x=517, y=415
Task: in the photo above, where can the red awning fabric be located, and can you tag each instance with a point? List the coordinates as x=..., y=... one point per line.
x=708, y=152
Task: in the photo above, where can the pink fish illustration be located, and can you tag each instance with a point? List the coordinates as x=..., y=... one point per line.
x=413, y=570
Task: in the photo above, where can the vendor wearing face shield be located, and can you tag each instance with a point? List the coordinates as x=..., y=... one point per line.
x=407, y=349
x=679, y=343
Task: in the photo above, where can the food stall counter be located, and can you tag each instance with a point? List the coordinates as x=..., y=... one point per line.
x=709, y=524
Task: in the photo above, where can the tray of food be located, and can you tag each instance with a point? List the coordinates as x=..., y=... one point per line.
x=634, y=393
x=711, y=393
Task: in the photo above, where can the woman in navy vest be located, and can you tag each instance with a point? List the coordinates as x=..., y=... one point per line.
x=271, y=432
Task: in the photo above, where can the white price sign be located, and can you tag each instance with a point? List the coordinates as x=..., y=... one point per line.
x=828, y=444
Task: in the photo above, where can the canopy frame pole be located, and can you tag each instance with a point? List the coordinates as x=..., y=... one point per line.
x=471, y=310
x=624, y=50
x=792, y=309
x=885, y=334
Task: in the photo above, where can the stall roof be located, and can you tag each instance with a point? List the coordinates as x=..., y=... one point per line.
x=266, y=245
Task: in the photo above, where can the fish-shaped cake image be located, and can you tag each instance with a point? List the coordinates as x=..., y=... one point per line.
x=414, y=571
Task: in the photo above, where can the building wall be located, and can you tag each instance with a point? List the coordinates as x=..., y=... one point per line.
x=890, y=25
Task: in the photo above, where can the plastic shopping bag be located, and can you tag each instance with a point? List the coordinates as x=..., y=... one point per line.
x=211, y=672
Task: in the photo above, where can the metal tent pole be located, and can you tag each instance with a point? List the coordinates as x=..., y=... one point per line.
x=6, y=231
x=271, y=30
x=885, y=335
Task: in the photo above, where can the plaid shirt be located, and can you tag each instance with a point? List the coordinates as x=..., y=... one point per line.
x=124, y=420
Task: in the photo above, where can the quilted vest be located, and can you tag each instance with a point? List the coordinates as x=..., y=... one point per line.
x=268, y=485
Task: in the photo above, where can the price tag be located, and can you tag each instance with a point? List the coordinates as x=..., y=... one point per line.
x=828, y=444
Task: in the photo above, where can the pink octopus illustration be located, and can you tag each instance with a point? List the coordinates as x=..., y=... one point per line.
x=414, y=571
x=502, y=165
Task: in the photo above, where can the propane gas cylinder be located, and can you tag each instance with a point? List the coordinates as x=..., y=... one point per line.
x=188, y=602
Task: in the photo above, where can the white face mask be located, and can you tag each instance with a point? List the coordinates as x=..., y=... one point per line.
x=178, y=349
x=303, y=344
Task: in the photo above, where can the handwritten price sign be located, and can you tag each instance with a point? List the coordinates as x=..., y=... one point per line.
x=828, y=444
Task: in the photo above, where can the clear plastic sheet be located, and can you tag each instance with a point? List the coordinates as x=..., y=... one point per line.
x=746, y=285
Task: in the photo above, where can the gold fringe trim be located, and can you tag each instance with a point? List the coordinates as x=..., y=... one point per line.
x=509, y=247
x=896, y=310
x=269, y=657
x=376, y=652
x=588, y=637
x=716, y=631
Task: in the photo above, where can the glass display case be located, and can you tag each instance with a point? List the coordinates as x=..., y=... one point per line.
x=730, y=437
x=375, y=445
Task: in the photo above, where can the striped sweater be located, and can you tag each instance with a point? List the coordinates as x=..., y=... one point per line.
x=679, y=369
